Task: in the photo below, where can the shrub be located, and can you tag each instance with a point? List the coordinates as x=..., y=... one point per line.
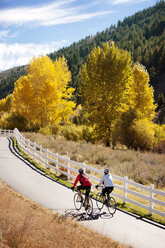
x=144, y=135
x=140, y=135
x=88, y=134
x=71, y=132
x=159, y=133
x=11, y=121
x=45, y=130
x=160, y=148
x=79, y=117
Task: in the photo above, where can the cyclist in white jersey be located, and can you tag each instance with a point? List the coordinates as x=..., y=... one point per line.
x=107, y=181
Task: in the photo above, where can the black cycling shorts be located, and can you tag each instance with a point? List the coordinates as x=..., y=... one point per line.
x=86, y=188
x=107, y=190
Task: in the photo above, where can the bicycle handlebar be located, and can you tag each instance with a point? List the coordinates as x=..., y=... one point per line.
x=100, y=187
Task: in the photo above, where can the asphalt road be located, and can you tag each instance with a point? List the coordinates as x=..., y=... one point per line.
x=123, y=227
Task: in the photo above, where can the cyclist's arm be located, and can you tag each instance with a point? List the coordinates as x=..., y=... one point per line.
x=76, y=181
x=101, y=181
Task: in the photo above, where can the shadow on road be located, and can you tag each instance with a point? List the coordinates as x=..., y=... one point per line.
x=83, y=216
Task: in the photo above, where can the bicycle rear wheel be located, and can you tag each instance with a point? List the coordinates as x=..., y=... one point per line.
x=77, y=201
x=111, y=205
x=89, y=210
x=99, y=201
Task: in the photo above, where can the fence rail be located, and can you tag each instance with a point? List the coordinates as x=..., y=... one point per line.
x=69, y=168
x=4, y=132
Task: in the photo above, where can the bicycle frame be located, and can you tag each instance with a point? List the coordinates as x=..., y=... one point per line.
x=78, y=203
x=108, y=201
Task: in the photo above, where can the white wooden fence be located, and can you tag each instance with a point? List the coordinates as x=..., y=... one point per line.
x=69, y=168
x=5, y=133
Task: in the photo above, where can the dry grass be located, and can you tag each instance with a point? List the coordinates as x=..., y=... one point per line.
x=24, y=224
x=142, y=167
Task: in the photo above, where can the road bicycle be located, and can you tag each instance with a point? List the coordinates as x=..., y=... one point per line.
x=109, y=202
x=79, y=203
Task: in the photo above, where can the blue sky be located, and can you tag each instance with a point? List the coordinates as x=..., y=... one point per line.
x=37, y=27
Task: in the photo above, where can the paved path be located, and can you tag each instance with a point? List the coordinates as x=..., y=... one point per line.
x=123, y=227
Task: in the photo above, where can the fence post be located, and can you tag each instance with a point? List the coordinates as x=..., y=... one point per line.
x=151, y=197
x=68, y=170
x=40, y=156
x=19, y=139
x=57, y=161
x=34, y=147
x=125, y=189
x=28, y=143
x=23, y=142
x=84, y=164
x=47, y=156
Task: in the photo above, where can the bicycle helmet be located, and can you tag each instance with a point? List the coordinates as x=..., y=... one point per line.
x=106, y=171
x=81, y=171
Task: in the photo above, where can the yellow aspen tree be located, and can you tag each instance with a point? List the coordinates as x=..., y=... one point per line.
x=43, y=96
x=106, y=80
x=143, y=94
x=137, y=128
x=6, y=103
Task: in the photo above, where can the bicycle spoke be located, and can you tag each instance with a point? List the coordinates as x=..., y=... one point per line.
x=111, y=205
x=99, y=201
x=77, y=201
x=89, y=210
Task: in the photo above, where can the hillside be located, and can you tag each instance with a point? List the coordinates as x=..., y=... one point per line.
x=8, y=78
x=142, y=34
x=25, y=223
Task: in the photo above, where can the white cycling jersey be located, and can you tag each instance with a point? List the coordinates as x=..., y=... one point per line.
x=107, y=181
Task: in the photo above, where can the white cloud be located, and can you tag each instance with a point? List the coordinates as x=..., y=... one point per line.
x=4, y=34
x=7, y=34
x=59, y=12
x=20, y=54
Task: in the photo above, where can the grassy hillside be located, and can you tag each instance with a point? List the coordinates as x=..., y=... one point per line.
x=26, y=224
x=142, y=167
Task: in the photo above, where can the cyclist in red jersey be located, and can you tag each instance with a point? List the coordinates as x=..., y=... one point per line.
x=85, y=184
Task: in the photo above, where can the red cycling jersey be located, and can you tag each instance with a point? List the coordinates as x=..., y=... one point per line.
x=84, y=180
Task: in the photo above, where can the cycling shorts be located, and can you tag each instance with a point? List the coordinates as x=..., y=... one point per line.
x=107, y=190
x=86, y=188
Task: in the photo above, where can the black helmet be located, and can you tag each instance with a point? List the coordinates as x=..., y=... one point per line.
x=81, y=170
x=106, y=171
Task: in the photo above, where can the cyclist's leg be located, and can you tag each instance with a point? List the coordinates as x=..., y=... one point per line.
x=108, y=196
x=79, y=192
x=104, y=193
x=88, y=189
x=109, y=190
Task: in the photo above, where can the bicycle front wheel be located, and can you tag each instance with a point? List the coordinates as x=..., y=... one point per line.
x=99, y=201
x=77, y=201
x=111, y=205
x=89, y=210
